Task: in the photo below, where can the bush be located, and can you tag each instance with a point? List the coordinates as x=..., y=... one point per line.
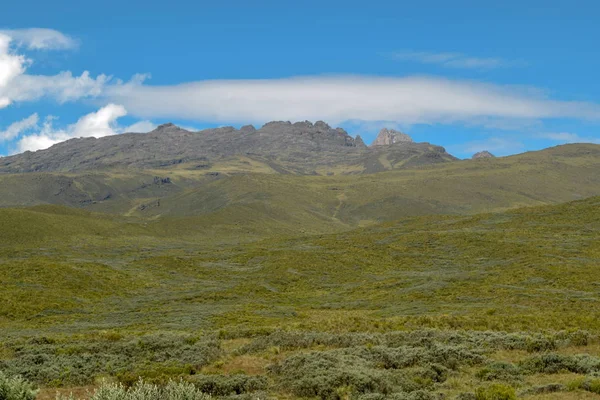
x=15, y=388
x=145, y=391
x=499, y=371
x=537, y=345
x=590, y=385
x=416, y=395
x=555, y=363
x=52, y=363
x=321, y=374
x=542, y=389
x=495, y=392
x=220, y=385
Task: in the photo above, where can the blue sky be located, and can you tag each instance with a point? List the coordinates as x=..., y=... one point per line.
x=468, y=75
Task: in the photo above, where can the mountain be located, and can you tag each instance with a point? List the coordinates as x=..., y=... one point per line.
x=483, y=154
x=287, y=178
x=387, y=137
x=299, y=148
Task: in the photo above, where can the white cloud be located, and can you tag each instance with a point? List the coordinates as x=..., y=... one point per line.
x=455, y=60
x=407, y=100
x=17, y=86
x=11, y=66
x=566, y=137
x=40, y=39
x=100, y=123
x=19, y=127
x=97, y=124
x=63, y=87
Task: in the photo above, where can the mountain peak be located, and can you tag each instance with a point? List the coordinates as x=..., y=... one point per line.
x=359, y=141
x=390, y=136
x=169, y=126
x=248, y=129
x=483, y=154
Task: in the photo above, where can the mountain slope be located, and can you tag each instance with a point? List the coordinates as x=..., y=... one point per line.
x=266, y=203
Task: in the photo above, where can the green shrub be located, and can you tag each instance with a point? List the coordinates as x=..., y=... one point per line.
x=15, y=388
x=145, y=391
x=321, y=374
x=540, y=344
x=220, y=385
x=554, y=363
x=495, y=392
x=416, y=395
x=579, y=338
x=541, y=389
x=590, y=385
x=499, y=371
x=156, y=357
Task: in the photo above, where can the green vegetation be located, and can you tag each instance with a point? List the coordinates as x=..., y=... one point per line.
x=15, y=388
x=486, y=306
x=145, y=391
x=229, y=201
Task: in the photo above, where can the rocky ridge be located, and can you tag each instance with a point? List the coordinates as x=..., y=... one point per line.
x=285, y=147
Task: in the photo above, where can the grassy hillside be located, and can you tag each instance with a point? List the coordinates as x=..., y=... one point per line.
x=268, y=202
x=331, y=316
x=398, y=285
x=497, y=270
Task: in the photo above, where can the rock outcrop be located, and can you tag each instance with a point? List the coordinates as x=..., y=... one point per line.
x=387, y=137
x=359, y=141
x=483, y=154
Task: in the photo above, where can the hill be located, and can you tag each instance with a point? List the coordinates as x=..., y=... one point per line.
x=433, y=265
x=225, y=197
x=422, y=307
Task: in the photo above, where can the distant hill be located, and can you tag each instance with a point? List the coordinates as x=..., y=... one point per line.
x=226, y=198
x=483, y=154
x=300, y=148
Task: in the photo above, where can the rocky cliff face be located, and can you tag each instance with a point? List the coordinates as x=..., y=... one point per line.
x=483, y=154
x=387, y=137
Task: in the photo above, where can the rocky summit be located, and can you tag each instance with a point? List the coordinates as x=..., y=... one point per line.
x=483, y=154
x=388, y=137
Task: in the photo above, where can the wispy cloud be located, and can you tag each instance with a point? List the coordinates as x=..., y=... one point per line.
x=17, y=128
x=455, y=60
x=40, y=39
x=405, y=100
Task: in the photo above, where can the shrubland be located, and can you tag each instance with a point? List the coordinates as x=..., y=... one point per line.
x=486, y=306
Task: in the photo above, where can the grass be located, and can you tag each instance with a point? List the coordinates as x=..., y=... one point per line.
x=507, y=271
x=245, y=193
x=483, y=306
